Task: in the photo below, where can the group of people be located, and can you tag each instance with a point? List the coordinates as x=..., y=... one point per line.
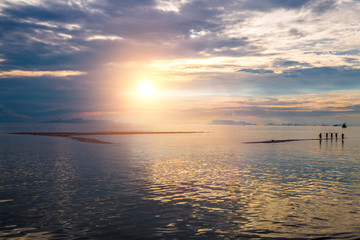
x=331, y=136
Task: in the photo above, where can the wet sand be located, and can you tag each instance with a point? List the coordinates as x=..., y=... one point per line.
x=285, y=140
x=73, y=135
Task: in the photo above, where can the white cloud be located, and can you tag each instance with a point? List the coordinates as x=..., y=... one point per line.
x=297, y=35
x=233, y=64
x=104, y=37
x=170, y=5
x=21, y=73
x=197, y=34
x=37, y=22
x=72, y=26
x=7, y=3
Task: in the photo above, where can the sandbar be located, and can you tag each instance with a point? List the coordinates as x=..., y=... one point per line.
x=284, y=140
x=73, y=135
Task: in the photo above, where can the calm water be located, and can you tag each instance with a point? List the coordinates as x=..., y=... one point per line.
x=183, y=186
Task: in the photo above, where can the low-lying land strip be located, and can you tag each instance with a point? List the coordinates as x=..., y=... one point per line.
x=280, y=141
x=73, y=135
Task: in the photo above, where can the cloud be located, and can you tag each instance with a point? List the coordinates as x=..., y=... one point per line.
x=295, y=32
x=104, y=37
x=301, y=108
x=21, y=73
x=322, y=6
x=229, y=122
x=261, y=5
x=305, y=108
x=348, y=52
x=290, y=64
x=192, y=48
x=7, y=115
x=272, y=101
x=352, y=60
x=257, y=71
x=170, y=5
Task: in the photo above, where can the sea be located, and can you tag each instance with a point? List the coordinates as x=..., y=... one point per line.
x=206, y=185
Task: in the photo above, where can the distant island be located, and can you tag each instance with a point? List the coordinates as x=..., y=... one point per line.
x=229, y=122
x=286, y=124
x=232, y=122
x=214, y=122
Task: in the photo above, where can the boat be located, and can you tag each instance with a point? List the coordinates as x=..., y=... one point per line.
x=344, y=125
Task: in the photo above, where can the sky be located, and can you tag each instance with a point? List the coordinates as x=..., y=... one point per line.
x=258, y=61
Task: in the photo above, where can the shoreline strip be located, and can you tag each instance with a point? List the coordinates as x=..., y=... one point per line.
x=73, y=135
x=285, y=140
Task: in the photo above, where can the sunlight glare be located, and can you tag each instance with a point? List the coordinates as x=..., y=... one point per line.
x=146, y=89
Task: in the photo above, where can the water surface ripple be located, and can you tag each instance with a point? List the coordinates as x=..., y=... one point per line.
x=190, y=186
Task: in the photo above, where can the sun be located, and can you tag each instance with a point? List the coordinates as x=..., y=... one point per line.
x=146, y=89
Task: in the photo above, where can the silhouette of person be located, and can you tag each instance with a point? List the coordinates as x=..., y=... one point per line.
x=342, y=136
x=320, y=136
x=336, y=135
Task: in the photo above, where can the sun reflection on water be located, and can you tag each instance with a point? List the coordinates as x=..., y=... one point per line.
x=273, y=199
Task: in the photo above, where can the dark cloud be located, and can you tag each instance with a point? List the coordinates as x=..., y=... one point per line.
x=271, y=101
x=322, y=6
x=266, y=5
x=39, y=36
x=312, y=80
x=289, y=3
x=352, y=60
x=37, y=97
x=349, y=52
x=289, y=63
x=210, y=45
x=294, y=113
x=49, y=12
x=256, y=71
x=354, y=52
x=7, y=115
x=352, y=108
x=317, y=6
x=295, y=32
x=293, y=81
